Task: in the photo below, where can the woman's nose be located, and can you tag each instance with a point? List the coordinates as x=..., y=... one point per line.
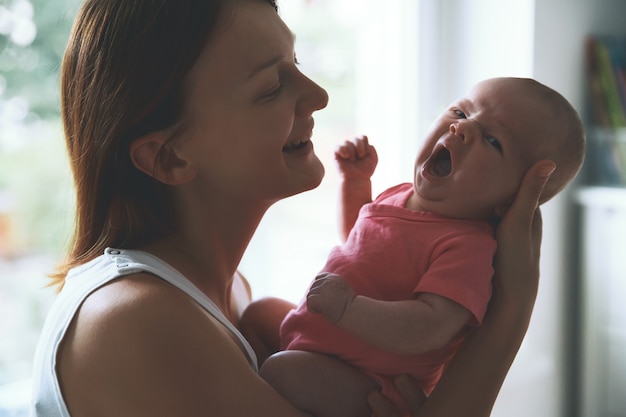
x=313, y=98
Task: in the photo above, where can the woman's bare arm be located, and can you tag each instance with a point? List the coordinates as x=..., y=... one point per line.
x=140, y=347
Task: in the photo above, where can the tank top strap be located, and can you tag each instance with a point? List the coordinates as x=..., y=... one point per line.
x=130, y=261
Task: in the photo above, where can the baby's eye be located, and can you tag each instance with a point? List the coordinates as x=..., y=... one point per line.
x=460, y=114
x=495, y=143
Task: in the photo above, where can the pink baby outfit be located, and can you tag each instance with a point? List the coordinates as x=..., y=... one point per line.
x=393, y=254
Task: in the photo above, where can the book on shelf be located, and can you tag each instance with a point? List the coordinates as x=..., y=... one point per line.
x=606, y=82
x=606, y=63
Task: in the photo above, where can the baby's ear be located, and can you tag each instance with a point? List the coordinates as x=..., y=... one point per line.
x=154, y=155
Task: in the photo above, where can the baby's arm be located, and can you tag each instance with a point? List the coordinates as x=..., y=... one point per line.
x=357, y=161
x=403, y=327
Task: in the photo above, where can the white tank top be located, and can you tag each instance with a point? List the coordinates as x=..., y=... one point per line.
x=47, y=400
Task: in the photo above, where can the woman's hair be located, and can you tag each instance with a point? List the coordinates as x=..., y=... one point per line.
x=122, y=77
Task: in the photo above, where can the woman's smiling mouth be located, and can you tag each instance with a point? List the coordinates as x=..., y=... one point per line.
x=296, y=144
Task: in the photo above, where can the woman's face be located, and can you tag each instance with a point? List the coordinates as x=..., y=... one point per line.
x=248, y=111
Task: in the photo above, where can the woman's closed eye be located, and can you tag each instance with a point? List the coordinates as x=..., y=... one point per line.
x=271, y=93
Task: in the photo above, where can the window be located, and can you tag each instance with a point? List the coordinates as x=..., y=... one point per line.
x=364, y=55
x=35, y=186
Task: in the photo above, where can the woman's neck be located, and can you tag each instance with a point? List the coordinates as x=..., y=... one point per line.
x=208, y=246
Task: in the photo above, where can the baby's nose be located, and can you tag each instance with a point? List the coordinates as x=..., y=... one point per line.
x=462, y=129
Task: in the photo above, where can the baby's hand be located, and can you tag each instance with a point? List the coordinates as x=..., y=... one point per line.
x=357, y=159
x=329, y=296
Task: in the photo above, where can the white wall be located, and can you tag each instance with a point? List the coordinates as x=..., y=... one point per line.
x=560, y=30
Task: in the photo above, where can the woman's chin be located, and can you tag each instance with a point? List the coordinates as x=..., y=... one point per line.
x=310, y=179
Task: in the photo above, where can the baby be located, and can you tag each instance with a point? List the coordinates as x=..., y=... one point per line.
x=414, y=273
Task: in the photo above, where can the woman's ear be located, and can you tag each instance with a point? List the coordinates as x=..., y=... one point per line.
x=153, y=155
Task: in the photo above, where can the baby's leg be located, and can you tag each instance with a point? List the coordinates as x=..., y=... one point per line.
x=318, y=384
x=260, y=325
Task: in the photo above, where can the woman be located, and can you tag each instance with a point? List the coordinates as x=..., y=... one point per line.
x=185, y=121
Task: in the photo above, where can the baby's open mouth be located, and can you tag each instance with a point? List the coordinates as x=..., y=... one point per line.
x=440, y=164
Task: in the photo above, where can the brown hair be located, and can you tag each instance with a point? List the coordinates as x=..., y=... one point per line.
x=122, y=77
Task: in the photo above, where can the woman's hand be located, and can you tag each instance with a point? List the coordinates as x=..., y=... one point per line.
x=516, y=262
x=408, y=388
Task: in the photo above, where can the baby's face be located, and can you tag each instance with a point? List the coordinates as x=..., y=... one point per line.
x=478, y=150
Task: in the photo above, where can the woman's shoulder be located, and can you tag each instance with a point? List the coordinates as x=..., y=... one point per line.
x=137, y=331
x=129, y=308
x=132, y=311
x=133, y=298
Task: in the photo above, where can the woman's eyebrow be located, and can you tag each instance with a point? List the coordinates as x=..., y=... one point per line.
x=270, y=62
x=264, y=65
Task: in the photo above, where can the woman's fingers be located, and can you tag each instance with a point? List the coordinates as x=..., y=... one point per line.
x=381, y=406
x=523, y=210
x=520, y=228
x=519, y=240
x=411, y=391
x=408, y=388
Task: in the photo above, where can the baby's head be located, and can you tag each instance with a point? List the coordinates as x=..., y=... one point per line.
x=479, y=149
x=560, y=138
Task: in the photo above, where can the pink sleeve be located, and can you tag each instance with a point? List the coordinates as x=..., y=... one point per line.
x=461, y=269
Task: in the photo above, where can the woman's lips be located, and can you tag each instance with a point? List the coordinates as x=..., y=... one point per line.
x=296, y=144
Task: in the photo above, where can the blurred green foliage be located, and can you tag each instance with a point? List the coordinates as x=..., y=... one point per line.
x=35, y=186
x=31, y=71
